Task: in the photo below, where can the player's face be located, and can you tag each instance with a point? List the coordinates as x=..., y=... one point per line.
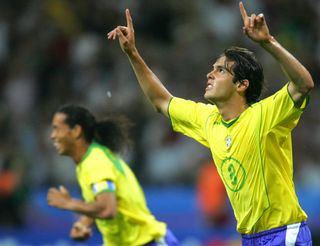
x=220, y=86
x=61, y=134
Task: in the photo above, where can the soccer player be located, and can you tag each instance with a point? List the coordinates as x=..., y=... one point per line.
x=113, y=198
x=250, y=140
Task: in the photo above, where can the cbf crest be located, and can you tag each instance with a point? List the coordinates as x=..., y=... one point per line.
x=228, y=141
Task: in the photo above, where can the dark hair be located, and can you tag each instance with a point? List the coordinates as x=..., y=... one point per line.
x=112, y=131
x=246, y=66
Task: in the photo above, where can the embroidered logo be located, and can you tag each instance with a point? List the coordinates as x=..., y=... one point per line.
x=228, y=141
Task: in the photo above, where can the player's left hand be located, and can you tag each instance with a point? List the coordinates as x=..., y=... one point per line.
x=254, y=26
x=58, y=197
x=80, y=232
x=125, y=34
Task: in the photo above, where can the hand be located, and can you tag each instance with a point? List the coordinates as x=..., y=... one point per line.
x=125, y=34
x=80, y=232
x=58, y=198
x=255, y=26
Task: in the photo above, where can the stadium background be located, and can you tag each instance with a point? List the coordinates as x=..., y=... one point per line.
x=56, y=51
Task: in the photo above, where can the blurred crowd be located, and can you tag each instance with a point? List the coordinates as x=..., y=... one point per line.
x=56, y=51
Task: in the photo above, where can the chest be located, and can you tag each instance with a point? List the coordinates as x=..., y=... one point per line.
x=238, y=138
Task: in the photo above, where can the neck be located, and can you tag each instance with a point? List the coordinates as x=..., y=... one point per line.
x=231, y=110
x=80, y=150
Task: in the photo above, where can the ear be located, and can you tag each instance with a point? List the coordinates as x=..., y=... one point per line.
x=77, y=131
x=243, y=85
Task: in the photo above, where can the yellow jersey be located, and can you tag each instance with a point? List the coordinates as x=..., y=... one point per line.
x=253, y=155
x=133, y=224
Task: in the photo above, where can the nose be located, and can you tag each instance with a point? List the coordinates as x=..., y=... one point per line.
x=52, y=135
x=210, y=75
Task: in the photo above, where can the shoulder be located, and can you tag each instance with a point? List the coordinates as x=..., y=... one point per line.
x=96, y=155
x=282, y=100
x=281, y=93
x=184, y=104
x=97, y=150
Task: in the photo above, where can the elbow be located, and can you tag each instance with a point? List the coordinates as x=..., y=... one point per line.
x=309, y=84
x=306, y=85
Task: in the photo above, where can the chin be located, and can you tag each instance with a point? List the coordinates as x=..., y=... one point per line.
x=208, y=97
x=61, y=152
x=205, y=96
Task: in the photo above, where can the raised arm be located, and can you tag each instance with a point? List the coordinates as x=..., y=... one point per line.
x=256, y=28
x=152, y=87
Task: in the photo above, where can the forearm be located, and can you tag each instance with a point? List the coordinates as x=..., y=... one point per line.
x=92, y=210
x=293, y=69
x=149, y=83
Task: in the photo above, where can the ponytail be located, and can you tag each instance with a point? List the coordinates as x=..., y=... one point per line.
x=113, y=132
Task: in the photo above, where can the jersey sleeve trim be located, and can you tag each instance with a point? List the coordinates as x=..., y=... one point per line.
x=305, y=100
x=168, y=109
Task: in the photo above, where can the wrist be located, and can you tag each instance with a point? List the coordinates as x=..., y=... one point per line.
x=132, y=53
x=269, y=43
x=270, y=39
x=85, y=220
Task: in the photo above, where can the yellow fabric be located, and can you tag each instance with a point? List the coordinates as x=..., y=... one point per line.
x=133, y=224
x=253, y=155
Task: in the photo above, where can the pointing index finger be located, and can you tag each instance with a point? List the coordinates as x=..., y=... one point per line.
x=129, y=19
x=243, y=11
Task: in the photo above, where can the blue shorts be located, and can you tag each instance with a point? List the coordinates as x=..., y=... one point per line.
x=290, y=235
x=168, y=240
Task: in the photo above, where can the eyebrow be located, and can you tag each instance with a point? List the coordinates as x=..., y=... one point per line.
x=224, y=67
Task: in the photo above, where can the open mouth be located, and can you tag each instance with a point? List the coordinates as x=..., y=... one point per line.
x=209, y=86
x=56, y=145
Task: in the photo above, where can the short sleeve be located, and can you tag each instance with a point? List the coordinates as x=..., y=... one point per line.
x=280, y=111
x=189, y=118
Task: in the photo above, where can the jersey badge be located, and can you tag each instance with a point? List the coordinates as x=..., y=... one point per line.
x=228, y=141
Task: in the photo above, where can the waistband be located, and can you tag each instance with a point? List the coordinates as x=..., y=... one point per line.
x=274, y=230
